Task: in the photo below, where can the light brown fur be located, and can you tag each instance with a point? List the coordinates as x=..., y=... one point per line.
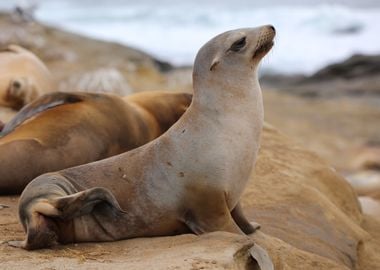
x=84, y=128
x=188, y=180
x=23, y=77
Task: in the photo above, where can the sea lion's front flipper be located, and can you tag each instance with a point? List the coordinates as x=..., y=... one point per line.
x=262, y=258
x=243, y=223
x=203, y=216
x=84, y=202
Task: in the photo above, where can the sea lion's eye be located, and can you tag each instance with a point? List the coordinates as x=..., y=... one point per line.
x=238, y=45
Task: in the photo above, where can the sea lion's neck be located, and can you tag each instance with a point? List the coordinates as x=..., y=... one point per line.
x=236, y=95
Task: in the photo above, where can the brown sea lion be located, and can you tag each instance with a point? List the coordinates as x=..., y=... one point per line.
x=61, y=130
x=23, y=77
x=190, y=179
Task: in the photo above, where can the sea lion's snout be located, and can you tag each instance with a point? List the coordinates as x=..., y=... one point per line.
x=272, y=28
x=265, y=41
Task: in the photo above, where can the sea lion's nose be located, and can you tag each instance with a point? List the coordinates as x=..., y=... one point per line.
x=272, y=28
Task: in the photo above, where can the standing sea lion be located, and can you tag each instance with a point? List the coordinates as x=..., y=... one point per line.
x=23, y=77
x=62, y=130
x=189, y=179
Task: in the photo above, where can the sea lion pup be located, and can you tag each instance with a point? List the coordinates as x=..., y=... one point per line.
x=23, y=77
x=61, y=130
x=190, y=179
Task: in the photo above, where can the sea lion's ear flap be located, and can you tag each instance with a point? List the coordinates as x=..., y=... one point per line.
x=82, y=203
x=261, y=258
x=214, y=63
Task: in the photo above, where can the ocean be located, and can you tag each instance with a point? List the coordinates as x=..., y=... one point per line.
x=311, y=33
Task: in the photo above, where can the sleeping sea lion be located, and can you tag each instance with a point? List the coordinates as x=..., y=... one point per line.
x=61, y=130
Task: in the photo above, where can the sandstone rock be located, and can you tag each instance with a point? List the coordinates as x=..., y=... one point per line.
x=368, y=158
x=106, y=80
x=336, y=129
x=367, y=186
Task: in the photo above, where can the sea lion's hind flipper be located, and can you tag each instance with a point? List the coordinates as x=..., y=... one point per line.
x=39, y=225
x=84, y=202
x=41, y=104
x=243, y=223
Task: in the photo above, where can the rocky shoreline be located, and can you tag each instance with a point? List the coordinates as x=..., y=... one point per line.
x=358, y=76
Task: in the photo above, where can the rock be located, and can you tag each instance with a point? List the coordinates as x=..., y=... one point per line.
x=357, y=66
x=365, y=182
x=66, y=54
x=367, y=185
x=359, y=75
x=106, y=80
x=370, y=206
x=2, y=206
x=310, y=219
x=368, y=158
x=348, y=30
x=309, y=214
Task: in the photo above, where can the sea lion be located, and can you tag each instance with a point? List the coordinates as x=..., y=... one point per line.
x=23, y=77
x=190, y=179
x=61, y=130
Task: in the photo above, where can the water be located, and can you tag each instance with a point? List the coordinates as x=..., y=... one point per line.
x=311, y=34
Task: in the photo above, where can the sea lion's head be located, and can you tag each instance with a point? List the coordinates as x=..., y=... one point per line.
x=23, y=77
x=18, y=92
x=236, y=52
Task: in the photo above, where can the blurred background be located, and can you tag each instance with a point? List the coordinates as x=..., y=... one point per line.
x=311, y=33
x=321, y=91
x=321, y=81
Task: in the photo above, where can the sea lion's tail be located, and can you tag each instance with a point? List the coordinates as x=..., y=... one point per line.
x=45, y=206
